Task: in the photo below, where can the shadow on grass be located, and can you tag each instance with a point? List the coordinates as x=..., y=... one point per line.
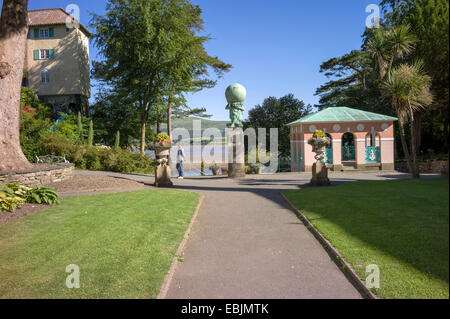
x=406, y=219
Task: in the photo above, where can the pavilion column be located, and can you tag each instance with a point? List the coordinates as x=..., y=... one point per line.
x=337, y=151
x=387, y=154
x=308, y=154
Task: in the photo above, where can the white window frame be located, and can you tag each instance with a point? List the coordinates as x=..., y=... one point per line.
x=44, y=54
x=45, y=76
x=44, y=33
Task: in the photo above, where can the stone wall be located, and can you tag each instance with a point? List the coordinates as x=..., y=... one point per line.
x=40, y=174
x=433, y=167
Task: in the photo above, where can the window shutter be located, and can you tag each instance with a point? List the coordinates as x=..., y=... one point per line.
x=51, y=32
x=36, y=54
x=29, y=34
x=51, y=53
x=36, y=33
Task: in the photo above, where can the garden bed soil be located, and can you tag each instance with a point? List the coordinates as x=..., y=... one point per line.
x=95, y=183
x=25, y=210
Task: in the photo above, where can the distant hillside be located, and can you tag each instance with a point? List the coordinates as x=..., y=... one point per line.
x=188, y=124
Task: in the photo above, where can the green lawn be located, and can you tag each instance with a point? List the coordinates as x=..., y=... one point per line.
x=401, y=226
x=123, y=244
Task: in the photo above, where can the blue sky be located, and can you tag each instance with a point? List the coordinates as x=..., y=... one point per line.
x=275, y=47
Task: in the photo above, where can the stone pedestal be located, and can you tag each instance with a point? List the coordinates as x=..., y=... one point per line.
x=163, y=172
x=320, y=175
x=236, y=157
x=162, y=176
x=236, y=170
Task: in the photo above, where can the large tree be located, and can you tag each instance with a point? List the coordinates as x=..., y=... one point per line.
x=152, y=50
x=13, y=33
x=411, y=30
x=429, y=23
x=408, y=88
x=277, y=113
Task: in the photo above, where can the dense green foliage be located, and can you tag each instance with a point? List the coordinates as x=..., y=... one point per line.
x=355, y=77
x=101, y=158
x=40, y=135
x=123, y=243
x=42, y=195
x=401, y=226
x=35, y=124
x=277, y=113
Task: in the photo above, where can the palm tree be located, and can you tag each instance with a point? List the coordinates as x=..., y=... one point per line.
x=408, y=88
x=388, y=45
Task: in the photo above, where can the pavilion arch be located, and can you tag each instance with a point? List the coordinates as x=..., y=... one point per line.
x=329, y=150
x=348, y=147
x=373, y=147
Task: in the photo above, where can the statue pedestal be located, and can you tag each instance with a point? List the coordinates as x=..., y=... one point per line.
x=236, y=170
x=162, y=176
x=236, y=157
x=163, y=172
x=320, y=175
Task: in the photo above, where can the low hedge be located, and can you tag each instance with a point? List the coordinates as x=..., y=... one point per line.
x=98, y=158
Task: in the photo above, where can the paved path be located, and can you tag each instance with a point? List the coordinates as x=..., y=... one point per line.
x=247, y=243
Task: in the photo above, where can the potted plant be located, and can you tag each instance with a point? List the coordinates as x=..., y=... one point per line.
x=257, y=168
x=319, y=142
x=224, y=170
x=162, y=144
x=215, y=169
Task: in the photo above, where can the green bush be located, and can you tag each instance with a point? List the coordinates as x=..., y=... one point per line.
x=19, y=190
x=98, y=158
x=10, y=203
x=12, y=196
x=42, y=195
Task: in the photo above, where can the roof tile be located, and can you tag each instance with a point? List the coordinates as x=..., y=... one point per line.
x=50, y=17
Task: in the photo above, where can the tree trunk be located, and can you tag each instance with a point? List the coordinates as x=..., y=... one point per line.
x=13, y=34
x=418, y=129
x=143, y=137
x=405, y=147
x=415, y=169
x=158, y=127
x=169, y=117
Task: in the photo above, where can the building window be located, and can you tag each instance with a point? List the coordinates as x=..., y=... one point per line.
x=45, y=76
x=44, y=54
x=44, y=33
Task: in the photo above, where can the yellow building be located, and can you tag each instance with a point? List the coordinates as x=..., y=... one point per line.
x=57, y=60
